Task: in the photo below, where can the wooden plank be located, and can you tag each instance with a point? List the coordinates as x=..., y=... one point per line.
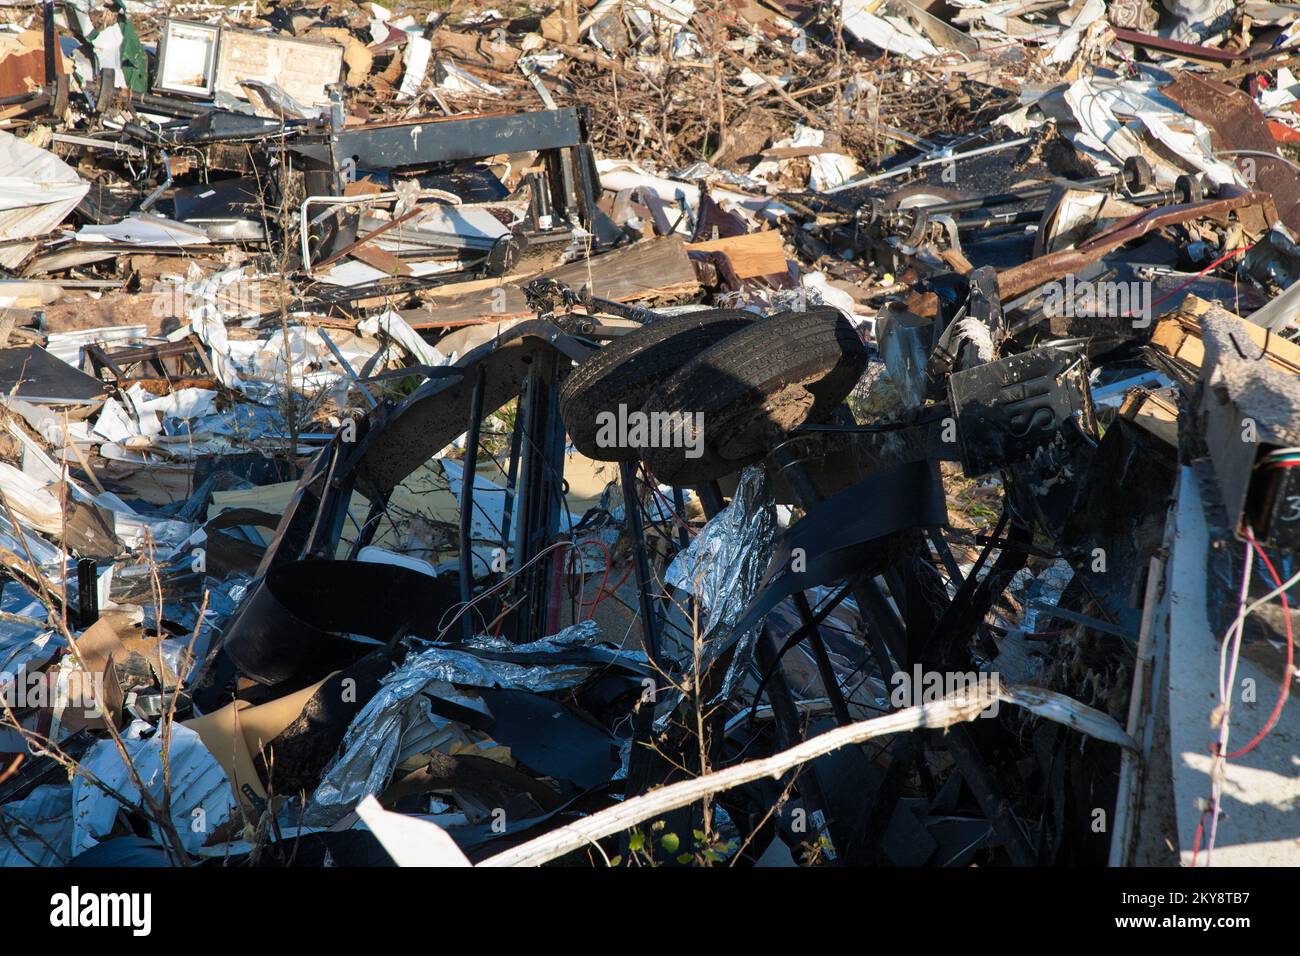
x=380, y=259
x=373, y=234
x=1153, y=412
x=1179, y=336
x=456, y=289
x=653, y=268
x=753, y=255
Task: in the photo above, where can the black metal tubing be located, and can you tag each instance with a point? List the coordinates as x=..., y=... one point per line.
x=541, y=460
x=1115, y=180
x=944, y=650
x=973, y=769
x=789, y=732
x=588, y=182
x=51, y=44
x=884, y=633
x=710, y=498
x=33, y=100
x=170, y=106
x=945, y=555
x=331, y=514
x=528, y=503
x=823, y=660
x=87, y=593
x=785, y=713
x=960, y=742
x=679, y=504
x=991, y=225
x=640, y=762
x=367, y=532
x=641, y=564
x=467, y=500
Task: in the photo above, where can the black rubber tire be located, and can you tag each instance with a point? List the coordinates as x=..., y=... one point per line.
x=754, y=387
x=629, y=368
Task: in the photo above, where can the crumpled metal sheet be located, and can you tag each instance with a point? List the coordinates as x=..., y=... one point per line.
x=30, y=546
x=457, y=665
x=372, y=744
x=583, y=634
x=701, y=170
x=1239, y=124
x=24, y=642
x=201, y=797
x=723, y=566
x=39, y=190
x=37, y=830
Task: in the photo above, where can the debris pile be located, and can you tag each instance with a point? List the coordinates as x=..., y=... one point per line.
x=673, y=432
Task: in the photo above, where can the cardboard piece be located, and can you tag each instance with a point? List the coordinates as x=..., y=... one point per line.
x=238, y=731
x=96, y=647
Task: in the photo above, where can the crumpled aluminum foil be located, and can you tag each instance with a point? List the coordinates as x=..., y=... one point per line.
x=459, y=665
x=722, y=568
x=372, y=744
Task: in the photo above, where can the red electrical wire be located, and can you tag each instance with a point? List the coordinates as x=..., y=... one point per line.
x=1290, y=656
x=604, y=589
x=1196, y=842
x=602, y=594
x=1133, y=70
x=1216, y=262
x=604, y=578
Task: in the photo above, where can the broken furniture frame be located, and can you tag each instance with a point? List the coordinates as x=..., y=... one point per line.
x=562, y=197
x=173, y=31
x=224, y=63
x=118, y=361
x=393, y=440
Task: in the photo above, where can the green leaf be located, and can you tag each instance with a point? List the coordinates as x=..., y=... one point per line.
x=685, y=858
x=636, y=843
x=669, y=842
x=615, y=861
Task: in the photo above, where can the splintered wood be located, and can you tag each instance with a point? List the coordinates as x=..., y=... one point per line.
x=1179, y=336
x=653, y=269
